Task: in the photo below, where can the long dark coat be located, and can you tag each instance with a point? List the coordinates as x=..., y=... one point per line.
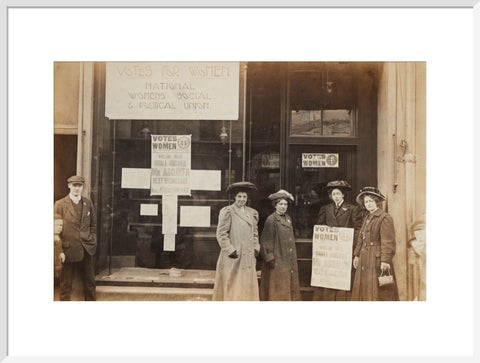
x=236, y=279
x=278, y=243
x=376, y=244
x=78, y=234
x=347, y=216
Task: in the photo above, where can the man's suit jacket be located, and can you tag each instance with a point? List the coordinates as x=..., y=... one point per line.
x=78, y=234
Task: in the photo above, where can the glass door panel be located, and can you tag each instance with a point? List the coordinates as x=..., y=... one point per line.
x=307, y=183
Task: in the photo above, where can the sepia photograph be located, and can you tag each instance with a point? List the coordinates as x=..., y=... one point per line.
x=240, y=181
x=243, y=182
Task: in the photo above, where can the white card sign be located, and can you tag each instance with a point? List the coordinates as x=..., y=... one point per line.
x=149, y=209
x=194, y=216
x=319, y=160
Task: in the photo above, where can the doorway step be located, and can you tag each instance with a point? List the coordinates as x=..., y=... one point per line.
x=146, y=284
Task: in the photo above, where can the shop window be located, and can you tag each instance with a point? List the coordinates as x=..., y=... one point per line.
x=322, y=101
x=263, y=156
x=211, y=150
x=335, y=123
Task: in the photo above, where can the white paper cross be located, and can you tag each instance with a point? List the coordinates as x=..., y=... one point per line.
x=139, y=178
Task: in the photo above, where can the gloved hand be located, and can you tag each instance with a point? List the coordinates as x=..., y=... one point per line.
x=234, y=254
x=384, y=266
x=271, y=264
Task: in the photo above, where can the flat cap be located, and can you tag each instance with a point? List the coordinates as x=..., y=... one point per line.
x=76, y=179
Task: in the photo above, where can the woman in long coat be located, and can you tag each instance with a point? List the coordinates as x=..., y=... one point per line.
x=375, y=250
x=237, y=235
x=279, y=281
x=339, y=213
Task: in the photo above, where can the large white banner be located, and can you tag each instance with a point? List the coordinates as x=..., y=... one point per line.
x=171, y=164
x=172, y=91
x=332, y=257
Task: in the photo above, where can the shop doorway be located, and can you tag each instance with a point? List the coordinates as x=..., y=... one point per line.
x=65, y=163
x=307, y=180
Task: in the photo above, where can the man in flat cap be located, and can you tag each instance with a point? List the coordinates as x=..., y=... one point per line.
x=79, y=240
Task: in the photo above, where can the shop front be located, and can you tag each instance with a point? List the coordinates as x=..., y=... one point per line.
x=295, y=125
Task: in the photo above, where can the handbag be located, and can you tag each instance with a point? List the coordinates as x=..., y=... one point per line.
x=384, y=279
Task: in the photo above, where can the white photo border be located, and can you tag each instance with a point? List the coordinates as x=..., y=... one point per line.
x=11, y=199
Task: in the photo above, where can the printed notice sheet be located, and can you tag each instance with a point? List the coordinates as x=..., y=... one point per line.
x=332, y=257
x=171, y=164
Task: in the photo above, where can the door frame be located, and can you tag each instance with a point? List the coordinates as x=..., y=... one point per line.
x=365, y=135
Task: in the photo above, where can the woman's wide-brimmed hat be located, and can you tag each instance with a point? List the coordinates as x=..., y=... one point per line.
x=371, y=191
x=242, y=186
x=338, y=184
x=281, y=194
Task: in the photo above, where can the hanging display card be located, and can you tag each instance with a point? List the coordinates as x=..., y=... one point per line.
x=149, y=209
x=205, y=179
x=172, y=91
x=136, y=178
x=169, y=242
x=271, y=161
x=194, y=216
x=169, y=214
x=171, y=162
x=332, y=257
x=319, y=160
